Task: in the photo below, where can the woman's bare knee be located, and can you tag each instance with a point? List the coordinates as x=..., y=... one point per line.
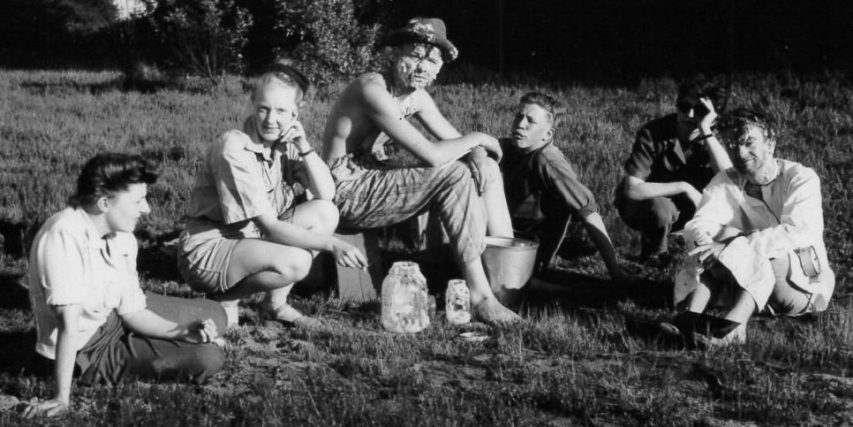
x=320, y=216
x=279, y=264
x=295, y=266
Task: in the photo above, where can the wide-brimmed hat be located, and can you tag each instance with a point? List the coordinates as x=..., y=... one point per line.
x=426, y=30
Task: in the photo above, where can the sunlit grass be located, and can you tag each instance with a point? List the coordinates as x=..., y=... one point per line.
x=571, y=363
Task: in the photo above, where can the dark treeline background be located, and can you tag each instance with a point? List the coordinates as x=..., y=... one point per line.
x=587, y=40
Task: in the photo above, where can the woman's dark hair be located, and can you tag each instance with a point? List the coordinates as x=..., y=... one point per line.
x=109, y=173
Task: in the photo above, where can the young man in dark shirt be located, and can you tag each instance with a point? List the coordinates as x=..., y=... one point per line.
x=672, y=160
x=542, y=189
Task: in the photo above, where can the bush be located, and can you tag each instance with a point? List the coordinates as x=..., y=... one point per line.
x=205, y=37
x=325, y=38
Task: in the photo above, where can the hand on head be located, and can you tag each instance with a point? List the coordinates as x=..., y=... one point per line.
x=709, y=116
x=295, y=134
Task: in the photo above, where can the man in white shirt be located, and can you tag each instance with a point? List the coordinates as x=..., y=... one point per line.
x=757, y=236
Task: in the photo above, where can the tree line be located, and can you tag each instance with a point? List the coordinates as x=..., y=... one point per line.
x=588, y=40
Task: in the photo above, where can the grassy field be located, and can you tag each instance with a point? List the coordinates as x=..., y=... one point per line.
x=583, y=358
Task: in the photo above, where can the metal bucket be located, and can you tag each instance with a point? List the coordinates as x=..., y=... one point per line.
x=509, y=264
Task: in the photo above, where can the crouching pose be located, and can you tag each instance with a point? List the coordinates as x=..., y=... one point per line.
x=672, y=160
x=758, y=232
x=85, y=293
x=245, y=232
x=369, y=126
x=542, y=189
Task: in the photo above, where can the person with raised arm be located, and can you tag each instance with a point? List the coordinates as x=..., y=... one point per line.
x=672, y=160
x=250, y=229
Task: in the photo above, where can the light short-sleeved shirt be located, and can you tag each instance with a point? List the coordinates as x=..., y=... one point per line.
x=70, y=263
x=241, y=179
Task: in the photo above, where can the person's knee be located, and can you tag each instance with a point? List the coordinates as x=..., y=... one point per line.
x=209, y=359
x=326, y=216
x=661, y=213
x=490, y=174
x=294, y=266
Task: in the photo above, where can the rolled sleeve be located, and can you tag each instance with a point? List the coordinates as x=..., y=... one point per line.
x=242, y=192
x=131, y=298
x=63, y=267
x=560, y=182
x=716, y=209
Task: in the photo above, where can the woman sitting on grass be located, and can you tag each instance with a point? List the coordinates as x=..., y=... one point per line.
x=85, y=293
x=245, y=233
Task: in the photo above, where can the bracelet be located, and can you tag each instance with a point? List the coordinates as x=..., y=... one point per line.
x=307, y=153
x=702, y=137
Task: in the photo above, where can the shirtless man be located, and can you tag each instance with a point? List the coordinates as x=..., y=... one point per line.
x=369, y=125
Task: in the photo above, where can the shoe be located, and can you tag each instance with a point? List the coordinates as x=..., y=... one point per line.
x=736, y=337
x=289, y=317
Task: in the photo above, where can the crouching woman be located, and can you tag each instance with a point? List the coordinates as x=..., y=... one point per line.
x=84, y=290
x=248, y=231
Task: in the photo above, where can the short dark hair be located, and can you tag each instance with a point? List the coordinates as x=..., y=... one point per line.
x=551, y=105
x=737, y=122
x=690, y=90
x=109, y=173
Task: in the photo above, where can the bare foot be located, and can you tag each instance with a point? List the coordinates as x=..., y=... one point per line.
x=491, y=312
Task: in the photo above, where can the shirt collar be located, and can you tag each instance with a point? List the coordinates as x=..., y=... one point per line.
x=254, y=144
x=93, y=236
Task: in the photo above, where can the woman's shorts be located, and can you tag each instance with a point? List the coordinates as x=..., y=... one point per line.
x=203, y=256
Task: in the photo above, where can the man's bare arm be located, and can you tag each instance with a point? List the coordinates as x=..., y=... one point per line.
x=638, y=189
x=719, y=157
x=435, y=122
x=383, y=110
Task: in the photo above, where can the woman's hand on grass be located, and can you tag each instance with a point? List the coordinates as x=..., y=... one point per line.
x=48, y=408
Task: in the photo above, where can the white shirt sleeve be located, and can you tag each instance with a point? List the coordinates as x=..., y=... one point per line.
x=62, y=261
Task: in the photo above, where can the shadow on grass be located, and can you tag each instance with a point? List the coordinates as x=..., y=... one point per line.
x=570, y=289
x=12, y=294
x=18, y=355
x=156, y=263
